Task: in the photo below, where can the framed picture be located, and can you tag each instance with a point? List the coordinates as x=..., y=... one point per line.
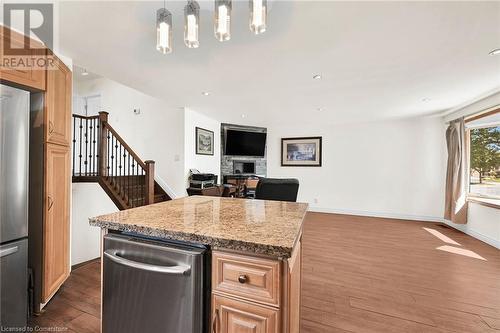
x=204, y=141
x=301, y=151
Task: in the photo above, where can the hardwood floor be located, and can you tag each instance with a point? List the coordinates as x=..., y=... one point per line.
x=380, y=275
x=76, y=306
x=360, y=274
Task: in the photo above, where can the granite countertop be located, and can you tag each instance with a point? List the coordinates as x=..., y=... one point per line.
x=256, y=226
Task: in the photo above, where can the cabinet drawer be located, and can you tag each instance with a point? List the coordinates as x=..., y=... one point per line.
x=231, y=316
x=252, y=278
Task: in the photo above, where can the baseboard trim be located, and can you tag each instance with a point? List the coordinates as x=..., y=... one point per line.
x=83, y=263
x=463, y=228
x=420, y=218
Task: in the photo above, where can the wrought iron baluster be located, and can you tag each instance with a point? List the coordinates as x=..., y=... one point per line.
x=112, y=158
x=116, y=161
x=85, y=161
x=121, y=174
x=80, y=150
x=128, y=178
x=108, y=155
x=74, y=145
x=136, y=183
x=94, y=143
x=98, y=146
x=91, y=145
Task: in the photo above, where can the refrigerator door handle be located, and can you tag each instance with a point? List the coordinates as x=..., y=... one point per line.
x=174, y=270
x=8, y=251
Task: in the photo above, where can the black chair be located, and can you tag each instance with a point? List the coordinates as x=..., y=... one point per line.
x=277, y=189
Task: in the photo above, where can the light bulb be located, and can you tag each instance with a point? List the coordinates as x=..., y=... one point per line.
x=222, y=24
x=258, y=16
x=163, y=31
x=191, y=24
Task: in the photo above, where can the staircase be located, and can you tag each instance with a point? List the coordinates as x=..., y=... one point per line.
x=101, y=155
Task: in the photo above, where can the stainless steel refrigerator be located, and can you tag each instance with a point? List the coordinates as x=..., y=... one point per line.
x=14, y=169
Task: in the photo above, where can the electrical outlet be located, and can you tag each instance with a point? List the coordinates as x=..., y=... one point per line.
x=137, y=112
x=315, y=200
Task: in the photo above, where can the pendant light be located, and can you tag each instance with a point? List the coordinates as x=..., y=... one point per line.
x=164, y=30
x=258, y=16
x=191, y=24
x=222, y=24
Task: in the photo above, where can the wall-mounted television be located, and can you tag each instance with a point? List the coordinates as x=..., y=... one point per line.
x=245, y=143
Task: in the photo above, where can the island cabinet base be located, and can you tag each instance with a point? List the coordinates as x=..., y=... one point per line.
x=255, y=294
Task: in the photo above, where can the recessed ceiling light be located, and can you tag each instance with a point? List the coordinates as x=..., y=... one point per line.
x=205, y=93
x=85, y=73
x=495, y=52
x=243, y=116
x=317, y=76
x=320, y=109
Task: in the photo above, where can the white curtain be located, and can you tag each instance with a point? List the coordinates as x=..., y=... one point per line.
x=456, y=173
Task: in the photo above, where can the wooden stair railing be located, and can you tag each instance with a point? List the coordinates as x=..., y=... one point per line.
x=101, y=155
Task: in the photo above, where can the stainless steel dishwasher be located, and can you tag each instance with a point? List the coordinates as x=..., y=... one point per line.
x=154, y=286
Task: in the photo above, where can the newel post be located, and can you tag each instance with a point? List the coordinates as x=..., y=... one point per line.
x=150, y=182
x=103, y=143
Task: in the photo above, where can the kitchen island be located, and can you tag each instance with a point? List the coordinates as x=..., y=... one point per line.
x=255, y=250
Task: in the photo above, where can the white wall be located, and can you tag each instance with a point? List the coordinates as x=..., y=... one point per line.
x=88, y=200
x=204, y=163
x=157, y=133
x=483, y=222
x=388, y=168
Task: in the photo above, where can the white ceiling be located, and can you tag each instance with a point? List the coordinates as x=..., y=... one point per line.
x=378, y=59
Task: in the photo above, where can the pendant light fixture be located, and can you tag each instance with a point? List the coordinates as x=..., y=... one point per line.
x=191, y=24
x=258, y=16
x=222, y=23
x=163, y=30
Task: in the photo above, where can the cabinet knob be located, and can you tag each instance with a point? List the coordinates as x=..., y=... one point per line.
x=242, y=278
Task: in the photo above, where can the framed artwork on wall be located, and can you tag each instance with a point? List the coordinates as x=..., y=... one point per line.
x=204, y=141
x=302, y=152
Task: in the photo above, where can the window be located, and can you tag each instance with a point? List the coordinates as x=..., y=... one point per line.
x=484, y=159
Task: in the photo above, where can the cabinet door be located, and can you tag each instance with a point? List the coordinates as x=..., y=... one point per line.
x=56, y=222
x=16, y=74
x=234, y=316
x=58, y=105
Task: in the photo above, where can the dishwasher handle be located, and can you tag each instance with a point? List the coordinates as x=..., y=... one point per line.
x=174, y=270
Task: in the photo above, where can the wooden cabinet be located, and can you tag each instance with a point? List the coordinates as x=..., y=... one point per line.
x=294, y=286
x=256, y=279
x=58, y=105
x=33, y=78
x=56, y=223
x=256, y=294
x=235, y=316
